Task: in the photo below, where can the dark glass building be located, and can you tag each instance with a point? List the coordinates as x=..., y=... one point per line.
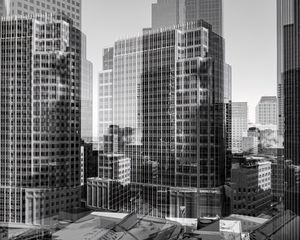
x=290, y=79
x=167, y=13
x=289, y=70
x=285, y=16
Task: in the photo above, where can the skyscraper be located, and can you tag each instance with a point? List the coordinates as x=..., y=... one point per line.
x=167, y=102
x=289, y=66
x=166, y=13
x=266, y=111
x=228, y=112
x=290, y=77
x=72, y=8
x=210, y=11
x=239, y=124
x=285, y=16
x=40, y=118
x=86, y=94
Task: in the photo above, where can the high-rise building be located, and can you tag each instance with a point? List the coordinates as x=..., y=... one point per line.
x=71, y=8
x=288, y=16
x=267, y=111
x=239, y=124
x=40, y=118
x=228, y=116
x=105, y=101
x=290, y=77
x=168, y=104
x=227, y=83
x=285, y=16
x=86, y=94
x=210, y=11
x=166, y=13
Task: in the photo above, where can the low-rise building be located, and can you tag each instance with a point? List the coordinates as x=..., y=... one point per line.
x=251, y=183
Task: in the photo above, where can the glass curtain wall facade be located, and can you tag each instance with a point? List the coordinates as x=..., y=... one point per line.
x=285, y=16
x=86, y=94
x=168, y=99
x=71, y=8
x=289, y=75
x=168, y=13
x=210, y=11
x=40, y=119
x=239, y=124
x=291, y=65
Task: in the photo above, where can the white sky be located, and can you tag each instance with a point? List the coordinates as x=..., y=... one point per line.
x=249, y=31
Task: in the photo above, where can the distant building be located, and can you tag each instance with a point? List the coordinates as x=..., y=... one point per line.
x=268, y=137
x=250, y=145
x=105, y=104
x=3, y=10
x=251, y=183
x=267, y=111
x=251, y=142
x=166, y=13
x=239, y=124
x=86, y=94
x=228, y=116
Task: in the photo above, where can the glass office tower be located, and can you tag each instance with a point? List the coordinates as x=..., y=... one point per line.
x=86, y=94
x=167, y=13
x=210, y=11
x=290, y=78
x=72, y=9
x=168, y=99
x=40, y=119
x=285, y=16
x=289, y=75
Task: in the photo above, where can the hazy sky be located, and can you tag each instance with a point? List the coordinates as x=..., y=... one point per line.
x=249, y=31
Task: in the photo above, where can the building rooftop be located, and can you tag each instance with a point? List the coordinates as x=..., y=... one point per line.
x=283, y=226
x=248, y=223
x=268, y=99
x=106, y=225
